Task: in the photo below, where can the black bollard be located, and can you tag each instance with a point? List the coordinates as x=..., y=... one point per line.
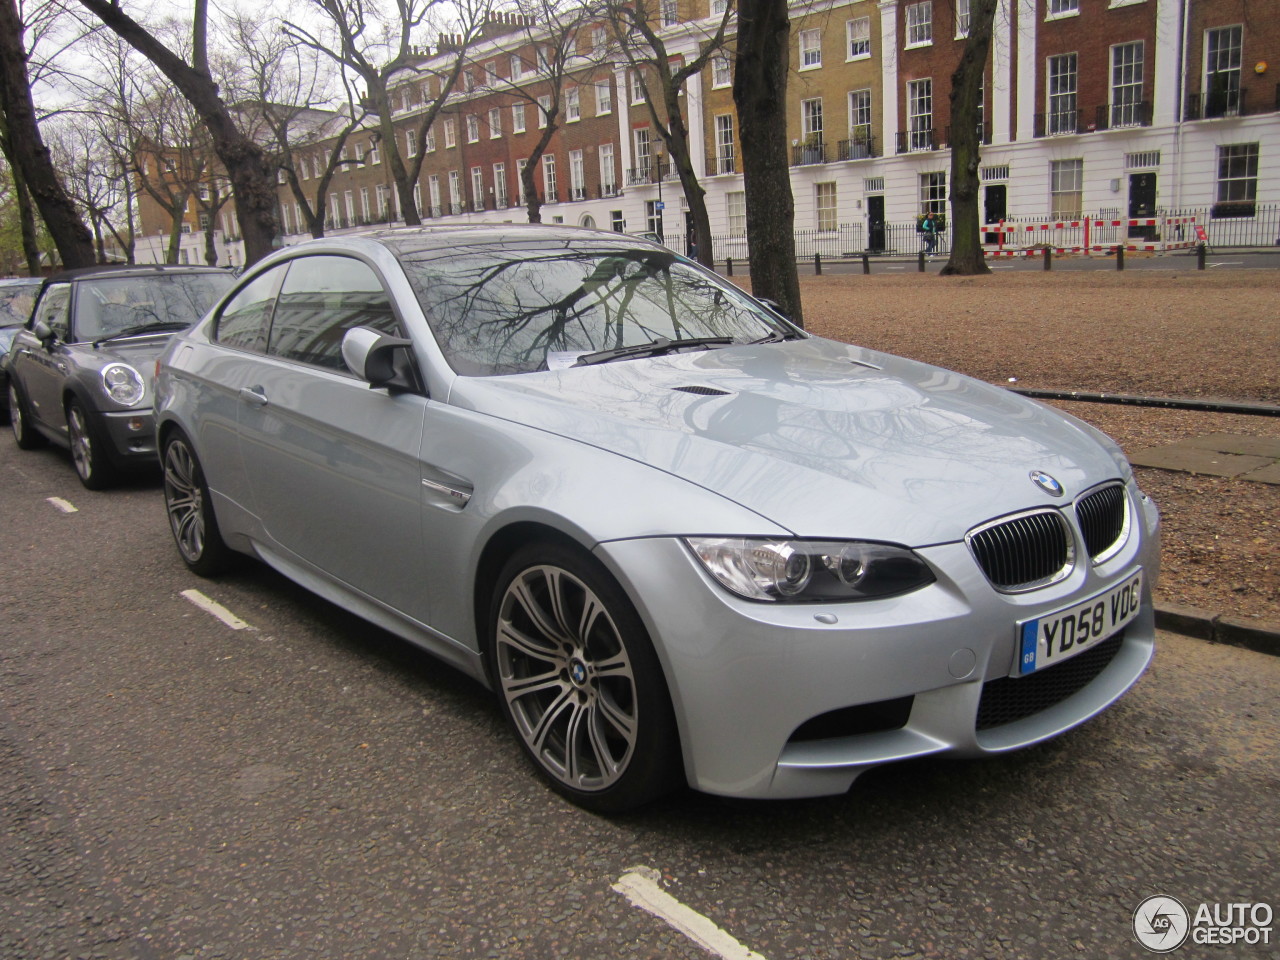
x=817, y=264
x=866, y=263
x=728, y=266
x=1200, y=253
x=1120, y=256
x=922, y=261
x=1048, y=258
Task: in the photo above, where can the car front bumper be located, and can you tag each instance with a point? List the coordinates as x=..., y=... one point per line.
x=131, y=436
x=744, y=677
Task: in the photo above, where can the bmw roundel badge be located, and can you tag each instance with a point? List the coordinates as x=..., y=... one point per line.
x=1046, y=483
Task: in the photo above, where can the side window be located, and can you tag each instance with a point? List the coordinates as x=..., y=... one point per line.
x=244, y=320
x=53, y=309
x=322, y=298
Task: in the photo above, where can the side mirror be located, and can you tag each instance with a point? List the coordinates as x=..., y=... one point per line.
x=774, y=306
x=44, y=333
x=381, y=360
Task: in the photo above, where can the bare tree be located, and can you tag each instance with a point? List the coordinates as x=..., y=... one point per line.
x=25, y=149
x=759, y=93
x=967, y=256
x=375, y=47
x=640, y=41
x=97, y=183
x=253, y=183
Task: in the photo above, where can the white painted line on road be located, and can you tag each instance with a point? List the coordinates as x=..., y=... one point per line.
x=1227, y=263
x=640, y=886
x=217, y=609
x=63, y=505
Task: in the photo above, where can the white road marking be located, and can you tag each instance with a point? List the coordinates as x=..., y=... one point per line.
x=63, y=505
x=640, y=886
x=216, y=609
x=1227, y=263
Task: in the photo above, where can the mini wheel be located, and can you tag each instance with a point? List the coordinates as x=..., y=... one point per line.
x=88, y=452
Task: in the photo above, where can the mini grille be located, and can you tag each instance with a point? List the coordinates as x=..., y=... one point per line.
x=703, y=391
x=1026, y=551
x=1101, y=517
x=1010, y=699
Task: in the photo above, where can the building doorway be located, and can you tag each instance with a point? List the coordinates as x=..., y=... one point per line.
x=994, y=208
x=875, y=224
x=1142, y=204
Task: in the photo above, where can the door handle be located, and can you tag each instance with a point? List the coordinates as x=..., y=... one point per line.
x=254, y=395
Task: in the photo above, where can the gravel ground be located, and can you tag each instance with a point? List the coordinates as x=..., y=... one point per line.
x=1186, y=334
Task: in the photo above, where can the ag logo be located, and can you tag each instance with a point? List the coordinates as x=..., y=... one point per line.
x=1161, y=924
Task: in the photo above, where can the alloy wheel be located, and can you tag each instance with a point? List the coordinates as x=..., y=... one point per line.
x=81, y=442
x=184, y=500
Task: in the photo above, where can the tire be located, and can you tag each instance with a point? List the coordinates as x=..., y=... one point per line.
x=88, y=451
x=24, y=433
x=577, y=677
x=190, y=511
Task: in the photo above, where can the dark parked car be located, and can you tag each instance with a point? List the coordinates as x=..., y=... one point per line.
x=16, y=298
x=80, y=369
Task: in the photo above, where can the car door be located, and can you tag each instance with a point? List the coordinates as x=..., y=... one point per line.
x=39, y=370
x=333, y=464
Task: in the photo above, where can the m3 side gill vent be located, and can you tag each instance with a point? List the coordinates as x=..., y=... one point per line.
x=703, y=391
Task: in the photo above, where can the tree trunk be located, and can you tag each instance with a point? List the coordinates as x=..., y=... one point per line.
x=252, y=184
x=678, y=144
x=29, y=153
x=26, y=222
x=967, y=257
x=759, y=93
x=533, y=203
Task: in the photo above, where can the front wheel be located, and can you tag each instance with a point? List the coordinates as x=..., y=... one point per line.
x=27, y=437
x=88, y=453
x=579, y=680
x=191, y=518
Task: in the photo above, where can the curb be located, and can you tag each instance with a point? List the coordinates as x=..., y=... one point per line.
x=1257, y=635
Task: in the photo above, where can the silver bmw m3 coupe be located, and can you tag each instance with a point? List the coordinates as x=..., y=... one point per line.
x=681, y=539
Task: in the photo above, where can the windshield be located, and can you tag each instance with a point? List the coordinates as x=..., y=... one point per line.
x=15, y=302
x=111, y=307
x=497, y=310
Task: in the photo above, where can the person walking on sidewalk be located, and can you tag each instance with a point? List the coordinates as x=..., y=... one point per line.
x=929, y=227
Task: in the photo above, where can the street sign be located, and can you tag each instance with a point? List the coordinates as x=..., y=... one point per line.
x=660, y=205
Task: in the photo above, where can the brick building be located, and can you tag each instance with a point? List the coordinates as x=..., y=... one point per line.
x=1112, y=108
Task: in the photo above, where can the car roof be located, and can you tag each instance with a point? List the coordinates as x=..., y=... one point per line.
x=430, y=236
x=129, y=270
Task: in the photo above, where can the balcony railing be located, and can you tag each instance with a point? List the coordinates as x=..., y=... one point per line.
x=606, y=190
x=1115, y=115
x=803, y=154
x=648, y=173
x=720, y=166
x=1057, y=123
x=1230, y=103
x=912, y=141
x=577, y=193
x=857, y=148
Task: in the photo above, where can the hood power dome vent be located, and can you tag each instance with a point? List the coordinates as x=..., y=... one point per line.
x=703, y=391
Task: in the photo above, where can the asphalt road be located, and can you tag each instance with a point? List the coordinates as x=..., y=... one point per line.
x=310, y=787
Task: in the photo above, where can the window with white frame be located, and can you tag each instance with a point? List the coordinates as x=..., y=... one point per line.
x=608, y=175
x=598, y=40
x=933, y=192
x=433, y=192
x=477, y=188
x=1061, y=8
x=725, y=162
x=920, y=114
x=431, y=140
x=499, y=186
x=473, y=128
x=572, y=105
x=335, y=214
x=670, y=13
x=718, y=7
x=382, y=209
x=1237, y=179
x=517, y=68
x=858, y=34
x=810, y=49
x=736, y=212
x=550, y=194
x=860, y=120
x=521, y=165
x=637, y=87
x=495, y=123
x=811, y=121
x=411, y=143
x=544, y=110
x=1061, y=91
x=349, y=199
x=455, y=191
x=1066, y=188
x=577, y=176
x=604, y=98
x=517, y=118
x=920, y=24
x=825, y=200
x=450, y=133
x=1126, y=85
x=544, y=63
x=202, y=220
x=491, y=72
x=364, y=204
x=1222, y=59
x=468, y=82
x=721, y=71
x=643, y=151
x=962, y=19
x=373, y=155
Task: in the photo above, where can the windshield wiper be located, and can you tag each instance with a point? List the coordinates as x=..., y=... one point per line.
x=654, y=348
x=777, y=336
x=158, y=327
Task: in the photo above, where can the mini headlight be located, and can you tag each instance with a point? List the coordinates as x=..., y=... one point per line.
x=810, y=570
x=123, y=383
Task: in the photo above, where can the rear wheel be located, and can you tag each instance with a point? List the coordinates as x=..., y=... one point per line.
x=88, y=452
x=24, y=433
x=579, y=680
x=187, y=502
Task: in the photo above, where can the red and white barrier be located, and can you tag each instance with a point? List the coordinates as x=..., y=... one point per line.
x=1090, y=235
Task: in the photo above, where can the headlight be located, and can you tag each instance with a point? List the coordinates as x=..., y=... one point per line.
x=123, y=383
x=810, y=570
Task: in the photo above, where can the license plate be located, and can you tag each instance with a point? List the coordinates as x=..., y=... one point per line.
x=1059, y=636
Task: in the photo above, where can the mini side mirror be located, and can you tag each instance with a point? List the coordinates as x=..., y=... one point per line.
x=44, y=333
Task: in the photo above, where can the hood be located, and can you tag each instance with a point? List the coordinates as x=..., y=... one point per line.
x=823, y=438
x=139, y=352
